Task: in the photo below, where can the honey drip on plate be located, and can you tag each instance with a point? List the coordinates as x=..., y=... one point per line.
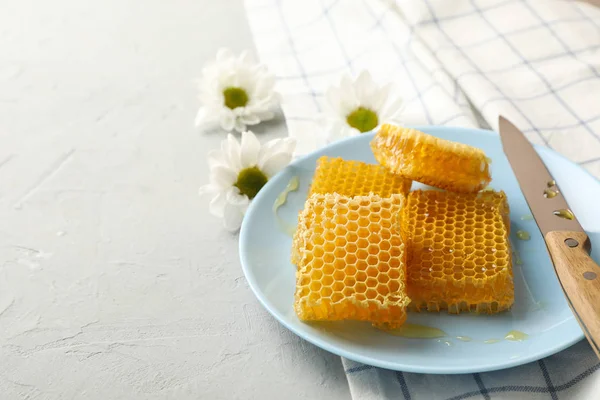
x=516, y=336
x=523, y=235
x=415, y=331
x=564, y=213
x=551, y=183
x=292, y=186
x=513, y=336
x=491, y=341
x=550, y=193
x=464, y=338
x=516, y=255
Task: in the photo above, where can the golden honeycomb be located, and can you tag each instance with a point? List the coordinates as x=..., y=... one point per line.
x=437, y=162
x=351, y=260
x=458, y=251
x=355, y=178
x=350, y=178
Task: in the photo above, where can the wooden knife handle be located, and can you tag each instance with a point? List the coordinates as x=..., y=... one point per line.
x=579, y=276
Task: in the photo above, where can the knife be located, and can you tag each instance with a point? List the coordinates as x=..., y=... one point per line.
x=567, y=242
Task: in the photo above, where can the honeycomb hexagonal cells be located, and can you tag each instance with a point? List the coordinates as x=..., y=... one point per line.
x=351, y=260
x=458, y=252
x=424, y=158
x=351, y=178
x=355, y=178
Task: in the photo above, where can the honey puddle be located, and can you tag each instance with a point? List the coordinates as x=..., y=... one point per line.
x=516, y=254
x=516, y=336
x=513, y=336
x=491, y=341
x=415, y=331
x=523, y=235
x=464, y=338
x=518, y=260
x=292, y=186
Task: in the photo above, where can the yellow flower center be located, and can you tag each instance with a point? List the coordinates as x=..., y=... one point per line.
x=362, y=119
x=235, y=97
x=250, y=180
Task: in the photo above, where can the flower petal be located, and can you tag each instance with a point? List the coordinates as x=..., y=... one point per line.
x=246, y=58
x=227, y=120
x=205, y=119
x=200, y=117
x=217, y=205
x=265, y=115
x=350, y=131
x=275, y=146
x=215, y=157
x=335, y=130
x=377, y=99
x=279, y=155
x=236, y=198
x=251, y=119
x=348, y=100
x=234, y=210
x=364, y=86
x=276, y=163
x=223, y=176
x=288, y=145
x=333, y=99
x=232, y=218
x=264, y=86
x=250, y=149
x=233, y=152
x=340, y=130
x=393, y=109
x=239, y=125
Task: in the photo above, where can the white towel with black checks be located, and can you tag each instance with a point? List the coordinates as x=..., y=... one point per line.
x=461, y=63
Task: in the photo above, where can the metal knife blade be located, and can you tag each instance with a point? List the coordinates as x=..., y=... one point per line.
x=541, y=191
x=567, y=242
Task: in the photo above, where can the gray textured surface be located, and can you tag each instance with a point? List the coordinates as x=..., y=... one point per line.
x=115, y=282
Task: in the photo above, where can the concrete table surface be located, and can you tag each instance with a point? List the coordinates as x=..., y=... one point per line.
x=115, y=282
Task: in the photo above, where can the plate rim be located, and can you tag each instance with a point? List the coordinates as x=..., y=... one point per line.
x=340, y=351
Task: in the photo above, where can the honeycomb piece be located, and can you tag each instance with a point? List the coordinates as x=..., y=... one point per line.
x=350, y=178
x=458, y=252
x=437, y=162
x=352, y=260
x=355, y=178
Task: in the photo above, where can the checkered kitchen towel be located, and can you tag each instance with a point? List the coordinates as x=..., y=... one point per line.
x=461, y=63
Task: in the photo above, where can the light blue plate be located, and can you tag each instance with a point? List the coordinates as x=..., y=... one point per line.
x=540, y=309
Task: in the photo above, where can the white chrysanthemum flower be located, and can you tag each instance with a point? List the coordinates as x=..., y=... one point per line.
x=239, y=170
x=359, y=106
x=235, y=92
